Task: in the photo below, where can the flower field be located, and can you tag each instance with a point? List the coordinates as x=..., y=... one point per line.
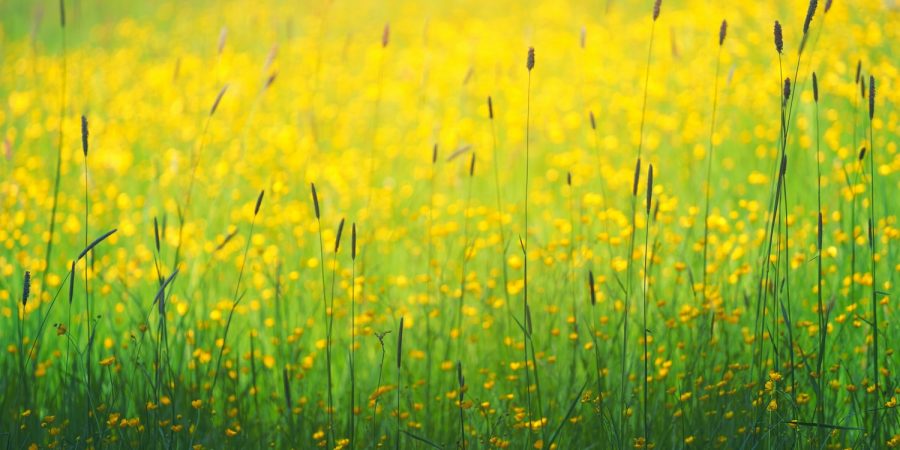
x=450, y=224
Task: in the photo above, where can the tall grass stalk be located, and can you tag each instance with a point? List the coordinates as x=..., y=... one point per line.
x=352, y=412
x=195, y=162
x=399, y=379
x=820, y=307
x=645, y=287
x=466, y=254
x=630, y=266
x=235, y=301
x=327, y=313
x=48, y=253
x=876, y=434
x=529, y=64
x=723, y=29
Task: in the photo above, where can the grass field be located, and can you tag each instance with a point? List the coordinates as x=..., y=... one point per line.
x=451, y=224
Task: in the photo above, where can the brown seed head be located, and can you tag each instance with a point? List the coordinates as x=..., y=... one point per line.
x=779, y=39
x=530, y=61
x=723, y=30
x=656, y=6
x=84, y=135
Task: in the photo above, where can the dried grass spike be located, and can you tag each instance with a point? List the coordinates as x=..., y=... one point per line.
x=723, y=30
x=656, y=6
x=591, y=286
x=400, y=344
x=815, y=87
x=315, y=199
x=84, y=135
x=529, y=63
x=259, y=202
x=218, y=99
x=337, y=238
x=871, y=97
x=779, y=39
x=637, y=177
x=810, y=12
x=26, y=288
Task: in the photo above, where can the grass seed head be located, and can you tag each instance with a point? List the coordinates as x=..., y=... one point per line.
x=386, y=35
x=156, y=233
x=26, y=288
x=472, y=166
x=84, y=135
x=858, y=70
x=810, y=12
x=815, y=82
x=72, y=283
x=593, y=121
x=871, y=97
x=400, y=344
x=787, y=89
x=723, y=30
x=862, y=154
x=529, y=63
x=591, y=287
x=656, y=6
x=353, y=241
x=218, y=99
x=779, y=39
x=259, y=202
x=337, y=237
x=649, y=188
x=315, y=199
x=637, y=178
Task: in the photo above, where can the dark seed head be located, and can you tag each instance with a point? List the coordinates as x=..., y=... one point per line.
x=827, y=6
x=315, y=199
x=649, y=188
x=819, y=237
x=400, y=344
x=72, y=283
x=529, y=63
x=810, y=12
x=569, y=179
x=858, y=70
x=787, y=89
x=434, y=154
x=593, y=122
x=490, y=108
x=259, y=202
x=271, y=79
x=722, y=31
x=26, y=288
x=815, y=88
x=156, y=233
x=84, y=135
x=862, y=87
x=871, y=97
x=862, y=153
x=591, y=286
x=218, y=99
x=779, y=39
x=385, y=35
x=337, y=238
x=637, y=177
x=656, y=6
x=472, y=166
x=459, y=375
x=353, y=242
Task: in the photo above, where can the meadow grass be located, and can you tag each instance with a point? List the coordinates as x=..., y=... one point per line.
x=208, y=320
